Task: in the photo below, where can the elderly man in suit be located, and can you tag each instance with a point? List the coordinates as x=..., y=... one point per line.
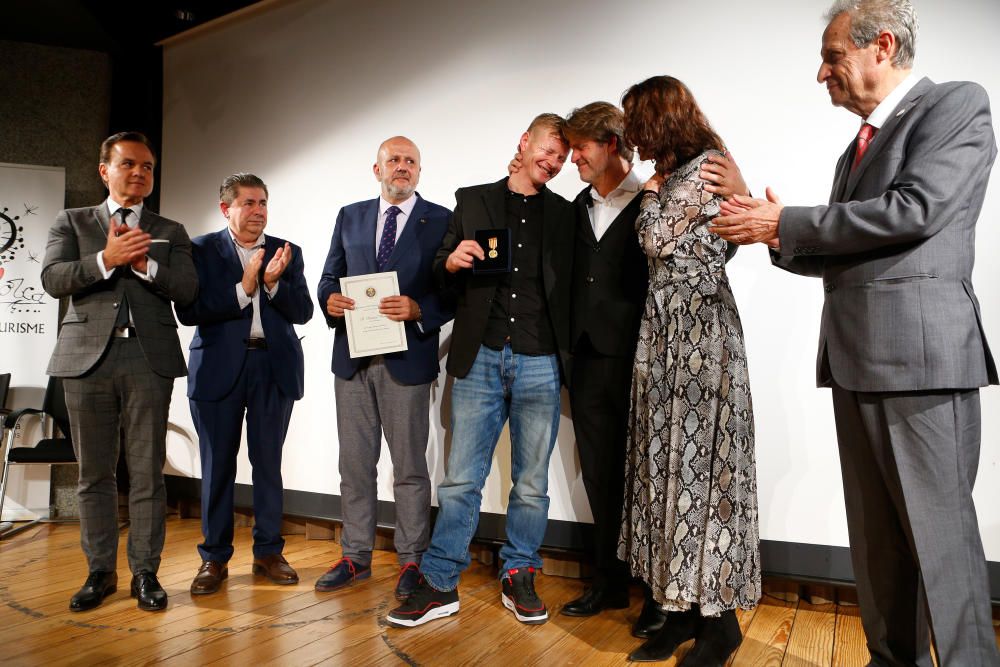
x=121, y=266
x=389, y=393
x=508, y=348
x=901, y=340
x=245, y=359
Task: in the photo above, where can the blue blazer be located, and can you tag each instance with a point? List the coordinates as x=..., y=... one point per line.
x=219, y=349
x=352, y=253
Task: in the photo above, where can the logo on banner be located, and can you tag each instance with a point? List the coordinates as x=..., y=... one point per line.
x=19, y=294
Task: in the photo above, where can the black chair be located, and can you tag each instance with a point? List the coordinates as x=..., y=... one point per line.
x=47, y=451
x=4, y=387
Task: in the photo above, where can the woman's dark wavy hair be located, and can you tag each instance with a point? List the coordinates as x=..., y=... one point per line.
x=664, y=121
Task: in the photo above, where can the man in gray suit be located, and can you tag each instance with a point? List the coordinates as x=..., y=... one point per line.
x=121, y=265
x=901, y=340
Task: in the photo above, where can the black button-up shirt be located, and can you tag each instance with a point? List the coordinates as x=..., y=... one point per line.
x=519, y=315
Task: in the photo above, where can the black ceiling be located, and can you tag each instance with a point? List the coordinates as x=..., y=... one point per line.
x=106, y=25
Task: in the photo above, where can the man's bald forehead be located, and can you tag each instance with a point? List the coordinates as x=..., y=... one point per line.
x=384, y=146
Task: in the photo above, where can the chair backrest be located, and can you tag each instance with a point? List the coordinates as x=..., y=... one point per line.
x=54, y=404
x=4, y=387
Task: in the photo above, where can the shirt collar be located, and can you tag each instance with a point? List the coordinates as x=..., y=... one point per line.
x=510, y=193
x=880, y=115
x=259, y=243
x=405, y=207
x=113, y=207
x=629, y=186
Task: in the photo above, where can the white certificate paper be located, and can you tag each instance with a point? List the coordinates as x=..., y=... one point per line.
x=369, y=332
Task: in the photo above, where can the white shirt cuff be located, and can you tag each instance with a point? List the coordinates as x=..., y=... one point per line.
x=100, y=266
x=150, y=270
x=242, y=297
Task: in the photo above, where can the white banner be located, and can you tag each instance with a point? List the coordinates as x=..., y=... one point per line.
x=30, y=198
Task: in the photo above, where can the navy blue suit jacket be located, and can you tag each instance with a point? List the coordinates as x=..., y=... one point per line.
x=219, y=348
x=352, y=253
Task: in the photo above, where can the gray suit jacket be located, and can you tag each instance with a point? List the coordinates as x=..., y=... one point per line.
x=896, y=245
x=70, y=270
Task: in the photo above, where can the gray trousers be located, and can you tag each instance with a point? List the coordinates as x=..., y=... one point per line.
x=368, y=404
x=909, y=462
x=120, y=392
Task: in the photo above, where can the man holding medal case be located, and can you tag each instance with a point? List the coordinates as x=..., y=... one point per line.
x=508, y=257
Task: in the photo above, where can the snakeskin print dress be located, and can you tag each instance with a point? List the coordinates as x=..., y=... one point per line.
x=689, y=526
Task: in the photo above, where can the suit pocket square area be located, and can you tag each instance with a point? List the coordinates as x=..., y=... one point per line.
x=159, y=241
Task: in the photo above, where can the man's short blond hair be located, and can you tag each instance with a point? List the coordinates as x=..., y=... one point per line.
x=554, y=123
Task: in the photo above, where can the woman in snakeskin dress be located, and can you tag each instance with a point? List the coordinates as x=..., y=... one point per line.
x=689, y=526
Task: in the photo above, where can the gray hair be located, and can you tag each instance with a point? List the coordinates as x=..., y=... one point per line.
x=870, y=17
x=230, y=187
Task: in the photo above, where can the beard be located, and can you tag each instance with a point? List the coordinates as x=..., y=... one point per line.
x=400, y=192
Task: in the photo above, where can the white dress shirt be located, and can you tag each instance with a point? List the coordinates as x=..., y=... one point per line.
x=133, y=222
x=881, y=113
x=244, y=299
x=605, y=209
x=406, y=208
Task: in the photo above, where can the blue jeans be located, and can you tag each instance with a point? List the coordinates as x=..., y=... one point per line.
x=500, y=384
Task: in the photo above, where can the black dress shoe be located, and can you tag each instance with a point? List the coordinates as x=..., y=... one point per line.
x=717, y=639
x=98, y=586
x=148, y=591
x=679, y=627
x=650, y=620
x=596, y=599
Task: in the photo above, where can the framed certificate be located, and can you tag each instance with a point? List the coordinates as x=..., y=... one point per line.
x=369, y=332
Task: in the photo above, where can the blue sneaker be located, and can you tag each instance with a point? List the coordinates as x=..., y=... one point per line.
x=343, y=573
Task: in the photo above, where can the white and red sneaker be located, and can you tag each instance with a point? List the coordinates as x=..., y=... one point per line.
x=519, y=596
x=424, y=604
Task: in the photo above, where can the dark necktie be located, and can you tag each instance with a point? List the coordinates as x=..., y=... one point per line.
x=865, y=135
x=388, y=241
x=122, y=318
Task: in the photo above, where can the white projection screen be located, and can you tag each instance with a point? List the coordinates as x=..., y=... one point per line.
x=301, y=92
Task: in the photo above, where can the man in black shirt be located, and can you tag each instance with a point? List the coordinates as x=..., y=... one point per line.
x=508, y=350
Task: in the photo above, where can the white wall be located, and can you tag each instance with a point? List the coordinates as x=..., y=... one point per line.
x=303, y=92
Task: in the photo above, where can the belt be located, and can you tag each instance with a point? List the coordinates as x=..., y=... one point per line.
x=256, y=344
x=123, y=332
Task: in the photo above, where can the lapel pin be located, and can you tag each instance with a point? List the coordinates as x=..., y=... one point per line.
x=423, y=221
x=902, y=111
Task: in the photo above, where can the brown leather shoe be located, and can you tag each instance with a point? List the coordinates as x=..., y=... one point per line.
x=209, y=577
x=275, y=568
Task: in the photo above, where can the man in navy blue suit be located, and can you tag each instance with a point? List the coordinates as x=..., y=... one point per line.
x=399, y=231
x=245, y=359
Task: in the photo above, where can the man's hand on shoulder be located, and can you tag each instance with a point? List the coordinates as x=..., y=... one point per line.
x=515, y=164
x=723, y=176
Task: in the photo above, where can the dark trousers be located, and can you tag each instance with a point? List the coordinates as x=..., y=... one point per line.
x=120, y=393
x=909, y=462
x=599, y=398
x=219, y=425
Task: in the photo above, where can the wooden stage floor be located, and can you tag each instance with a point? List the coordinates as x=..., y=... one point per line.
x=253, y=622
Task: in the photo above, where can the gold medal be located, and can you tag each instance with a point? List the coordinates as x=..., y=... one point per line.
x=493, y=248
